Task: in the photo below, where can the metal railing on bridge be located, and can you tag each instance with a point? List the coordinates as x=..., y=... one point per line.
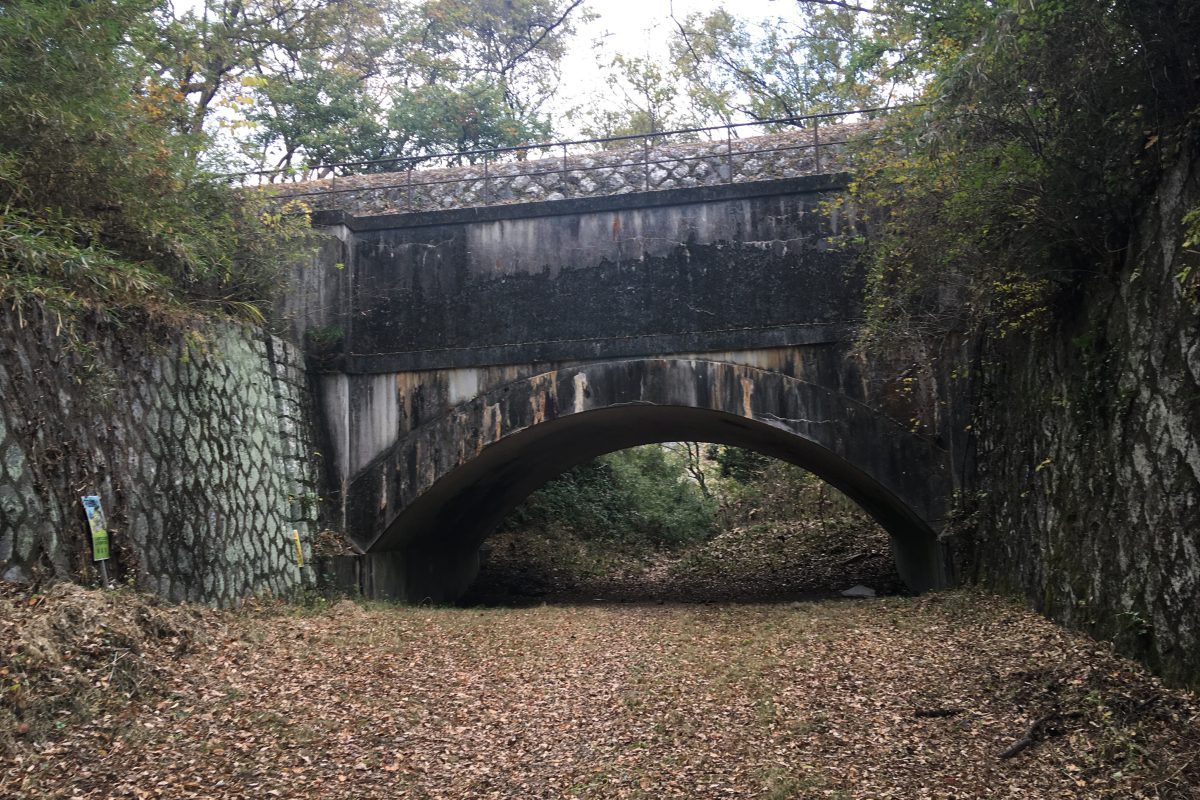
x=818, y=135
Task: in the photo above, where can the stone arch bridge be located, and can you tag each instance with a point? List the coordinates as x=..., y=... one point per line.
x=478, y=330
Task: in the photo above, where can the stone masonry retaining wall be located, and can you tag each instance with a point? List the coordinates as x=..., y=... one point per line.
x=602, y=173
x=1086, y=496
x=197, y=443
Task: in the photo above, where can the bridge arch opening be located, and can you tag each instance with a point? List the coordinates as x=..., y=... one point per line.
x=686, y=522
x=436, y=539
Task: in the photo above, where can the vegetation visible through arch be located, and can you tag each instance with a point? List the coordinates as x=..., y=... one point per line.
x=643, y=524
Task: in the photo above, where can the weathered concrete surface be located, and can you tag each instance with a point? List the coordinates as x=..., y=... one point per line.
x=197, y=443
x=480, y=352
x=733, y=271
x=663, y=272
x=442, y=489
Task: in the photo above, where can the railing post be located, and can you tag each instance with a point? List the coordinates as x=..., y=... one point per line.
x=817, y=145
x=487, y=181
x=410, y=187
x=729, y=152
x=646, y=161
x=564, y=182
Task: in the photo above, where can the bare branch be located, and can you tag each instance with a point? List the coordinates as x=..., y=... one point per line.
x=546, y=31
x=842, y=5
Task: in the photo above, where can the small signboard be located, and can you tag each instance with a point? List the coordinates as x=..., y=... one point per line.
x=299, y=549
x=96, y=521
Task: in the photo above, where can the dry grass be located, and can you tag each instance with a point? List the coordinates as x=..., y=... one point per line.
x=70, y=653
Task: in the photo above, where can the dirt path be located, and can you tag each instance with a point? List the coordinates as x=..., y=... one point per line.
x=620, y=701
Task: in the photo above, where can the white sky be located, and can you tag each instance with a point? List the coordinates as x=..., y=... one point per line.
x=642, y=27
x=639, y=28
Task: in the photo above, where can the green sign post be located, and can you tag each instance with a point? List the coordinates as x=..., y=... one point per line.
x=99, y=528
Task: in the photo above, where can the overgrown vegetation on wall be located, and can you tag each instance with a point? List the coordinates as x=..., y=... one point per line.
x=1043, y=129
x=104, y=204
x=120, y=115
x=1038, y=206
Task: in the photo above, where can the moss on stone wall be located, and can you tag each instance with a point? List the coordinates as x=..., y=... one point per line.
x=196, y=441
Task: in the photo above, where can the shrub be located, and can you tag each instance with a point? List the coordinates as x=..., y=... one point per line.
x=640, y=496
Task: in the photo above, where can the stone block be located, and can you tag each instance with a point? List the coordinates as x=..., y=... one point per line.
x=10, y=503
x=14, y=462
x=15, y=574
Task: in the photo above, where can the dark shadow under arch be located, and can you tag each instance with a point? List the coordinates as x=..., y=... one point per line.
x=439, y=534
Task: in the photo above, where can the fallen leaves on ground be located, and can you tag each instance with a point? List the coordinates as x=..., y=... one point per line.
x=752, y=562
x=888, y=698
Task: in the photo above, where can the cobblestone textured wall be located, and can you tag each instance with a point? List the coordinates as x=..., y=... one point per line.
x=198, y=445
x=546, y=175
x=1087, y=493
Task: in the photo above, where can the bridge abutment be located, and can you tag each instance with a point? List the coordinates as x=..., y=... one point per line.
x=436, y=576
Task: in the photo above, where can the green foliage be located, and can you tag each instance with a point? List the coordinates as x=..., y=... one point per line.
x=636, y=496
x=321, y=111
x=1046, y=123
x=651, y=98
x=1042, y=125
x=663, y=501
x=41, y=263
x=104, y=155
x=738, y=464
x=477, y=73
x=304, y=83
x=822, y=57
x=471, y=116
x=1191, y=229
x=514, y=44
x=75, y=140
x=779, y=530
x=652, y=496
x=761, y=490
x=1188, y=275
x=101, y=203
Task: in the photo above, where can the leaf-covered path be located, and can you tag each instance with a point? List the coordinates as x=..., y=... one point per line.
x=889, y=698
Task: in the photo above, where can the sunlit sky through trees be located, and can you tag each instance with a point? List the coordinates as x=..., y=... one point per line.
x=631, y=28
x=638, y=28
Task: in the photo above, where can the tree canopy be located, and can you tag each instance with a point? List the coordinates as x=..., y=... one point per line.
x=1042, y=128
x=120, y=115
x=103, y=203
x=305, y=83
